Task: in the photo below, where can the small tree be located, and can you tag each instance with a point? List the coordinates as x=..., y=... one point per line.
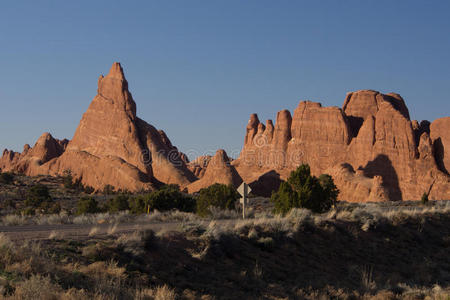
x=424, y=198
x=217, y=195
x=87, y=205
x=330, y=189
x=307, y=191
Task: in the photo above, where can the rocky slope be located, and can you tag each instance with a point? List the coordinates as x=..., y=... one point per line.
x=371, y=148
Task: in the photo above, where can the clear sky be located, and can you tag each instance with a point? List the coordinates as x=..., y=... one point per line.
x=197, y=69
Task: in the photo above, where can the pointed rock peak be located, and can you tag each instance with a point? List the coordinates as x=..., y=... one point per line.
x=261, y=128
x=253, y=121
x=219, y=160
x=114, y=88
x=269, y=124
x=44, y=138
x=116, y=71
x=283, y=117
x=221, y=155
x=165, y=138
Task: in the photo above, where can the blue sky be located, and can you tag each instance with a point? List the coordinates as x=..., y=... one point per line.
x=197, y=69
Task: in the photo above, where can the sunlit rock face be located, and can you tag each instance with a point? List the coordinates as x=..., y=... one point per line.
x=111, y=146
x=371, y=148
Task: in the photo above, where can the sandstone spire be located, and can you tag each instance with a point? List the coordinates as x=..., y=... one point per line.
x=111, y=145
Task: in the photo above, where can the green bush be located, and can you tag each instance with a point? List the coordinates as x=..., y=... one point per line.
x=307, y=191
x=170, y=197
x=87, y=205
x=37, y=195
x=330, y=189
x=217, y=195
x=6, y=178
x=118, y=203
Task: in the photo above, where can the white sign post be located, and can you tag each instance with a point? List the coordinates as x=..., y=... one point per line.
x=244, y=190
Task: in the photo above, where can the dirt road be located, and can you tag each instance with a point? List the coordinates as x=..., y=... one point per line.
x=79, y=231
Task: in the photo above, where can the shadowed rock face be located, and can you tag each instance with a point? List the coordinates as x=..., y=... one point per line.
x=110, y=146
x=394, y=157
x=440, y=136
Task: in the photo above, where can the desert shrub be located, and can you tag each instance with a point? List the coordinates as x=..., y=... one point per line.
x=165, y=293
x=170, y=197
x=6, y=178
x=87, y=205
x=424, y=198
x=38, y=287
x=37, y=195
x=118, y=203
x=217, y=195
x=305, y=191
x=138, y=205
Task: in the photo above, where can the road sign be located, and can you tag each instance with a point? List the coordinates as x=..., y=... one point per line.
x=244, y=190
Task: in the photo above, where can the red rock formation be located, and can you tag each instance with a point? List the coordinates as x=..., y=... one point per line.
x=111, y=146
x=198, y=166
x=356, y=186
x=30, y=160
x=219, y=170
x=318, y=136
x=440, y=135
x=373, y=134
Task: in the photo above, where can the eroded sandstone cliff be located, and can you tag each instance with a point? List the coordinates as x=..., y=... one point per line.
x=371, y=148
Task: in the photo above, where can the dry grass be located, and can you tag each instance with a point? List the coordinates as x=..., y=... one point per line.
x=364, y=251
